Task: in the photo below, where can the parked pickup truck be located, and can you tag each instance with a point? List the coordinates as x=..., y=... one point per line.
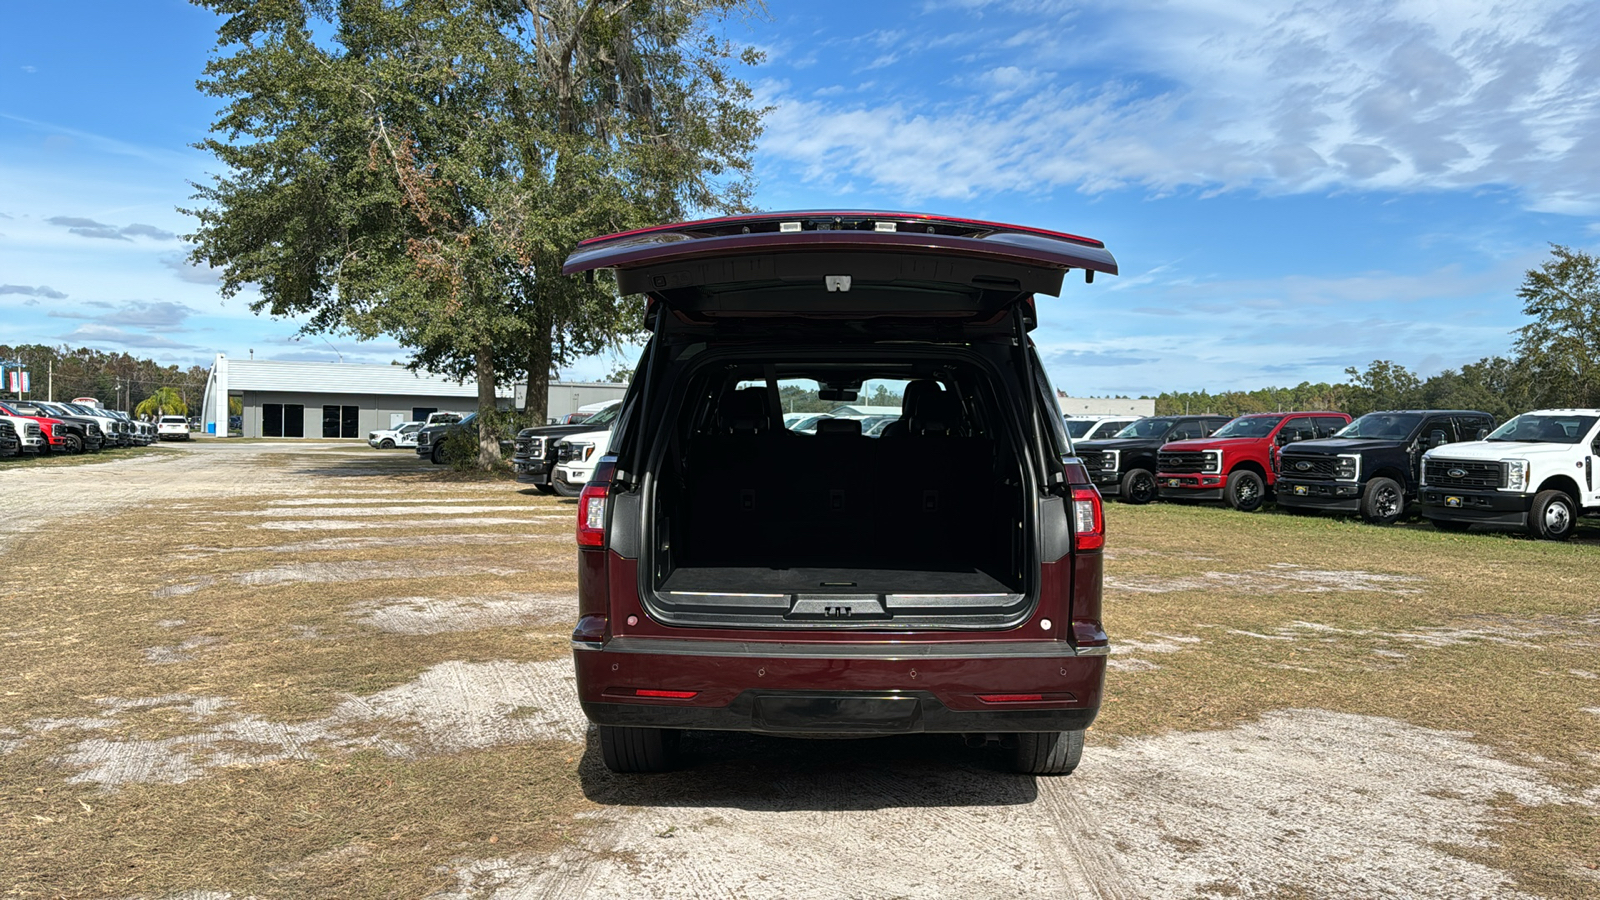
x=1536, y=471
x=1125, y=465
x=1239, y=463
x=535, y=458
x=1373, y=465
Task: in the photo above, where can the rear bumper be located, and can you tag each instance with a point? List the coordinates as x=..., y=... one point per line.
x=864, y=689
x=1476, y=507
x=1333, y=496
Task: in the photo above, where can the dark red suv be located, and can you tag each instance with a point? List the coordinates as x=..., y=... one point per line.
x=942, y=577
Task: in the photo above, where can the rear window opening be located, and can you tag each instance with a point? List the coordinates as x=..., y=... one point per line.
x=841, y=494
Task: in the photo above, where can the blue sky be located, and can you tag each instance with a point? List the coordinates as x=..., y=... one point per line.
x=1289, y=188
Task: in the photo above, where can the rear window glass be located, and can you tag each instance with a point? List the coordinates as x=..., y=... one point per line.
x=877, y=404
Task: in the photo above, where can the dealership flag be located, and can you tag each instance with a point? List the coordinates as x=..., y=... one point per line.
x=19, y=381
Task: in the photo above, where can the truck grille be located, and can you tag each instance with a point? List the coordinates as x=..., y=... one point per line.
x=1464, y=473
x=530, y=447
x=1315, y=467
x=32, y=429
x=1182, y=461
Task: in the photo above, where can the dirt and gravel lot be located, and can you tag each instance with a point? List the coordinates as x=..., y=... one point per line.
x=304, y=669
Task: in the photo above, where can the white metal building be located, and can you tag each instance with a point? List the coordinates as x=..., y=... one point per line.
x=348, y=400
x=1105, y=406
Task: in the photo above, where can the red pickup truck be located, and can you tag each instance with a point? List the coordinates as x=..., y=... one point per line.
x=1238, y=463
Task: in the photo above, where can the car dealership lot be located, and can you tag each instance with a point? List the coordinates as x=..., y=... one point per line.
x=262, y=669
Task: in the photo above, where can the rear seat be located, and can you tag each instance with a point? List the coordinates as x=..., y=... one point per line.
x=839, y=495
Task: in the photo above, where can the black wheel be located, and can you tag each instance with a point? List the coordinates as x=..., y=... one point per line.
x=1553, y=516
x=72, y=444
x=1448, y=525
x=1138, y=487
x=1048, y=752
x=1245, y=491
x=638, y=749
x=544, y=488
x=438, y=454
x=1383, y=503
x=386, y=444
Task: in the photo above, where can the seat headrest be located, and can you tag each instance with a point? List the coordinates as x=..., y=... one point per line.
x=744, y=411
x=937, y=414
x=914, y=392
x=839, y=427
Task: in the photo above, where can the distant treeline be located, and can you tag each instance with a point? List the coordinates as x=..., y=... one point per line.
x=1556, y=362
x=1497, y=385
x=117, y=380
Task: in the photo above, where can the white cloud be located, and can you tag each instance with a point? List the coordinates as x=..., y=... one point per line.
x=1193, y=95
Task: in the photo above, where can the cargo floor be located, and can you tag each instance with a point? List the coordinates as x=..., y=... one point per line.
x=757, y=580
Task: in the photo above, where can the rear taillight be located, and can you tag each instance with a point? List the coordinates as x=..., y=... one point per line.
x=1088, y=519
x=592, y=515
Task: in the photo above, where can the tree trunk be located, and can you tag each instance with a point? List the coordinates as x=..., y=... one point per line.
x=538, y=399
x=488, y=434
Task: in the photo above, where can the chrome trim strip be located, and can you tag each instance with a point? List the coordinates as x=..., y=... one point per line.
x=878, y=651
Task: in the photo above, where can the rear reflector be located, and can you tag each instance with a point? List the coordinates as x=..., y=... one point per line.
x=664, y=695
x=1011, y=698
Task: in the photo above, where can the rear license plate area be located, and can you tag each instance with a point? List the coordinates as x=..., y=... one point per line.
x=837, y=715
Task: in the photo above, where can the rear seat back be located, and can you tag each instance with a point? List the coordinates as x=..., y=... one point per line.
x=759, y=494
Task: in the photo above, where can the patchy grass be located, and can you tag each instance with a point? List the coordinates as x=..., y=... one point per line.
x=1495, y=635
x=138, y=634
x=56, y=460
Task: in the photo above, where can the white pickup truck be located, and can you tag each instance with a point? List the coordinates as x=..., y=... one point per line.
x=1537, y=471
x=576, y=458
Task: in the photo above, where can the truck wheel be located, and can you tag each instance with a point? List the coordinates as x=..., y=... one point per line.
x=72, y=444
x=1553, y=516
x=1382, y=503
x=1245, y=491
x=1138, y=487
x=1448, y=525
x=386, y=444
x=545, y=488
x=627, y=749
x=438, y=454
x=1048, y=752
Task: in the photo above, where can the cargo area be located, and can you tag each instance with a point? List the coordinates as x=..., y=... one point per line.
x=923, y=524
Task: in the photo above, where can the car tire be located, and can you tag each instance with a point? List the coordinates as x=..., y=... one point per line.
x=1383, y=502
x=633, y=750
x=1451, y=526
x=1245, y=491
x=1138, y=487
x=72, y=445
x=1048, y=752
x=546, y=489
x=1553, y=516
x=386, y=444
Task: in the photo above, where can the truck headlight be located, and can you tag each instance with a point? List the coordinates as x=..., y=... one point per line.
x=1346, y=467
x=1211, y=462
x=1109, y=461
x=1516, y=474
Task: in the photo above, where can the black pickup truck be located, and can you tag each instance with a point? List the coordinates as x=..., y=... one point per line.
x=1372, y=465
x=1125, y=465
x=534, y=461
